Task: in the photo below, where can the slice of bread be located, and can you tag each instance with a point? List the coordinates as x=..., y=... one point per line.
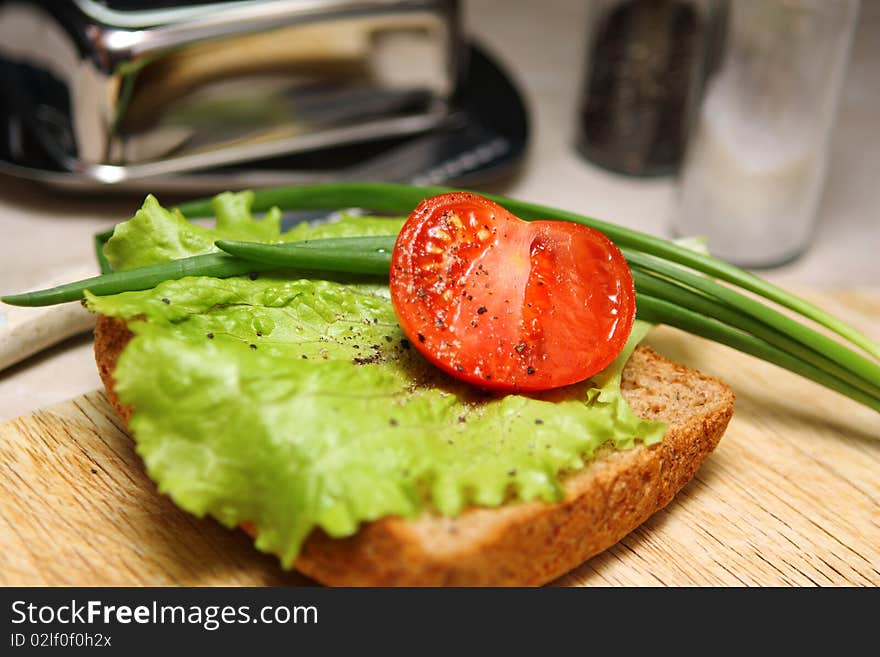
x=522, y=544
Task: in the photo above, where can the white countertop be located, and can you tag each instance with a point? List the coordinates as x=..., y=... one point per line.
x=542, y=45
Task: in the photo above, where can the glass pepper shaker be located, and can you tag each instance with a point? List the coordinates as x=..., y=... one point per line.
x=646, y=63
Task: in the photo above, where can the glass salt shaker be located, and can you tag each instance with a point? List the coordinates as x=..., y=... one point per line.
x=757, y=154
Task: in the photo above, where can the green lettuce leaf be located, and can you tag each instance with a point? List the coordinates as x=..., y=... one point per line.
x=298, y=403
x=156, y=235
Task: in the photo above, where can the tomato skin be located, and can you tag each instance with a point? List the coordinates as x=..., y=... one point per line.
x=505, y=304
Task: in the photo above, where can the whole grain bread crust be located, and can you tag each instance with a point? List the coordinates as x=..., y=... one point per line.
x=521, y=544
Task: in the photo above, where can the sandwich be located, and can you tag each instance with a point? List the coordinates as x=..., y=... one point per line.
x=454, y=398
x=519, y=544
x=299, y=409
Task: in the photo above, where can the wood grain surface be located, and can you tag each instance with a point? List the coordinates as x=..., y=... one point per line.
x=790, y=497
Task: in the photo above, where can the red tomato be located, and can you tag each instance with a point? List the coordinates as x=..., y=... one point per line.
x=506, y=304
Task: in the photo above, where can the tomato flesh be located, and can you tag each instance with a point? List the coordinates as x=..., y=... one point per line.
x=506, y=304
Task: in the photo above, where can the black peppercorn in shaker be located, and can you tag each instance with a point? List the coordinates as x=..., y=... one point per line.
x=646, y=61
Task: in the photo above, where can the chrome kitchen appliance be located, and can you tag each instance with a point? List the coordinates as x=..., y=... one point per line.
x=116, y=92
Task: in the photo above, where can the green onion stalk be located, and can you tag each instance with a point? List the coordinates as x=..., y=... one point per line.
x=674, y=285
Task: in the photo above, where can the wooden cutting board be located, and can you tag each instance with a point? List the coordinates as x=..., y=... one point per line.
x=790, y=497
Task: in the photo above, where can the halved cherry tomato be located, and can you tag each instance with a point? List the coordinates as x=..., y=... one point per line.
x=506, y=304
